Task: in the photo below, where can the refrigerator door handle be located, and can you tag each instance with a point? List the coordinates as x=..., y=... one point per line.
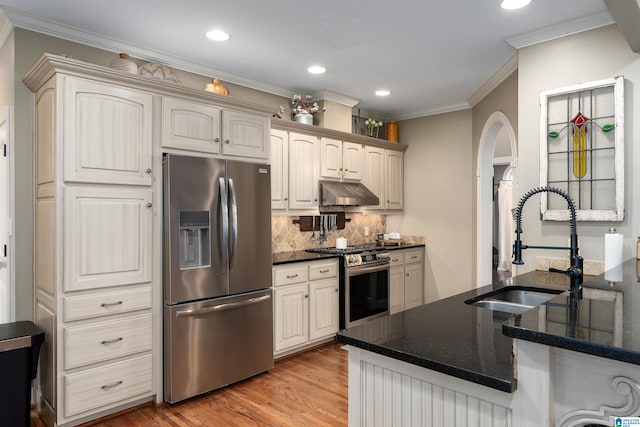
x=224, y=225
x=221, y=307
x=233, y=205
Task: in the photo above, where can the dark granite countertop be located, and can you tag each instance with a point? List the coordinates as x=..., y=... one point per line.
x=463, y=341
x=302, y=256
x=605, y=322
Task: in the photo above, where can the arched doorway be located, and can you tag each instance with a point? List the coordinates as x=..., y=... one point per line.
x=496, y=127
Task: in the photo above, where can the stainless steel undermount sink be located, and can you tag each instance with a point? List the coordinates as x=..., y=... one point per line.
x=514, y=299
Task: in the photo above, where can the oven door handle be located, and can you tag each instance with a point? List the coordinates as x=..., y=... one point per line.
x=354, y=271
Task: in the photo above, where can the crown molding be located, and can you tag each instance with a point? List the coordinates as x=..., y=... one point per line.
x=432, y=112
x=494, y=81
x=564, y=29
x=50, y=28
x=5, y=27
x=339, y=98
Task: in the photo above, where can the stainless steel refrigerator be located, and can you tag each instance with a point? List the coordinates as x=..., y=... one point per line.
x=218, y=312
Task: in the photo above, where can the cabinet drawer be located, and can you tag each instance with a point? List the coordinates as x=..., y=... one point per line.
x=289, y=275
x=396, y=258
x=97, y=342
x=323, y=270
x=412, y=256
x=91, y=389
x=77, y=307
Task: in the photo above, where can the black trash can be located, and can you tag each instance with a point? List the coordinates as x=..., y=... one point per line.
x=19, y=349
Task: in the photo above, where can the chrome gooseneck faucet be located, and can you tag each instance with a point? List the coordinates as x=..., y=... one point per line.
x=574, y=272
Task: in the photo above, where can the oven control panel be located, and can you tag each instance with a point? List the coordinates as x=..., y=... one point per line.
x=354, y=260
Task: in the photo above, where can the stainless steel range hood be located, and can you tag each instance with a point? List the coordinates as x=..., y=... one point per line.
x=346, y=194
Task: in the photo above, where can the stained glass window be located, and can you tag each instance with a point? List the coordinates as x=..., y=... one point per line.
x=582, y=150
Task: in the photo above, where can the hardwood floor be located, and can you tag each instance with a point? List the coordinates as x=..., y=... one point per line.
x=308, y=389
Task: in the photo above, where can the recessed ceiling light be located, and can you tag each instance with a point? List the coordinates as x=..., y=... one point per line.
x=383, y=92
x=514, y=4
x=316, y=69
x=218, y=35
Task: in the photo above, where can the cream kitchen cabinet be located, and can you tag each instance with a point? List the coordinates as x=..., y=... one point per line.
x=384, y=176
x=406, y=284
x=305, y=304
x=341, y=160
x=279, y=169
x=107, y=132
x=197, y=126
x=303, y=170
x=94, y=281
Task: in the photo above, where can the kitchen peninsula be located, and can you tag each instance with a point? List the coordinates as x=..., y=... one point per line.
x=559, y=364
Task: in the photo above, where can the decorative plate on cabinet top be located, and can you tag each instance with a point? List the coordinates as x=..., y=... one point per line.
x=157, y=71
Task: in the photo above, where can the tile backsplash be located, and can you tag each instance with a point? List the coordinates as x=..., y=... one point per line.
x=286, y=236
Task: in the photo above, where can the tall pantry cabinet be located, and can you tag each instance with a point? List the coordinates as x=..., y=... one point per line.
x=94, y=222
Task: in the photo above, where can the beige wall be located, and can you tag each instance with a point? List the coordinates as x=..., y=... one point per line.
x=438, y=198
x=585, y=57
x=503, y=98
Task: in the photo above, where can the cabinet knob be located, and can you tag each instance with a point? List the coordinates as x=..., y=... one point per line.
x=407, y=274
x=216, y=140
x=286, y=198
x=226, y=141
x=148, y=170
x=346, y=170
x=315, y=200
x=337, y=290
x=149, y=204
x=306, y=295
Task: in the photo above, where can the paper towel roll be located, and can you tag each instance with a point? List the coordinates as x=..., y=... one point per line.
x=613, y=256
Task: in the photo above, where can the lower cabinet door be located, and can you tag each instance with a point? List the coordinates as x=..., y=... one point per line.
x=291, y=316
x=412, y=285
x=323, y=308
x=396, y=289
x=92, y=389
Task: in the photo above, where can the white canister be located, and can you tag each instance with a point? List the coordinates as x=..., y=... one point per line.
x=341, y=243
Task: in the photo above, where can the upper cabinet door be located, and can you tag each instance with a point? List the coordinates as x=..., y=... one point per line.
x=330, y=158
x=352, y=161
x=107, y=236
x=279, y=169
x=303, y=171
x=374, y=171
x=107, y=132
x=245, y=134
x=395, y=177
x=190, y=125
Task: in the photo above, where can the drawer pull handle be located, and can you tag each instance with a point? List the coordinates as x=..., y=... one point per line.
x=110, y=304
x=293, y=276
x=325, y=271
x=414, y=257
x=112, y=385
x=396, y=260
x=105, y=342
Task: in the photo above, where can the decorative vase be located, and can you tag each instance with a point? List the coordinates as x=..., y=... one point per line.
x=306, y=118
x=123, y=63
x=216, y=86
x=392, y=131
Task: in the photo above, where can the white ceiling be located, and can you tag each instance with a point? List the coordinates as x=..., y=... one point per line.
x=432, y=55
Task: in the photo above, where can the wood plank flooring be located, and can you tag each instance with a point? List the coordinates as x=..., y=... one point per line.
x=308, y=389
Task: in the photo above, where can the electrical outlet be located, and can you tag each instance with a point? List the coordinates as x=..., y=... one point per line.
x=366, y=231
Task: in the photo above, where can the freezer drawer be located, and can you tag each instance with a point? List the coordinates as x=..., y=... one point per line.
x=216, y=342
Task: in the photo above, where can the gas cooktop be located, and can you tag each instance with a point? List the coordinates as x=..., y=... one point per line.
x=356, y=249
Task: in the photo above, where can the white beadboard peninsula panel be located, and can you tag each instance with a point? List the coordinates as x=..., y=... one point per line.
x=387, y=392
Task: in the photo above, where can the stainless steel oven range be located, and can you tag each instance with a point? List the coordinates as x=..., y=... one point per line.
x=364, y=283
